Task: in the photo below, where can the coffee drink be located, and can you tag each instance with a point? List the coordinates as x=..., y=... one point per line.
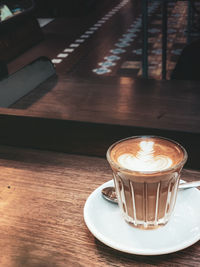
x=146, y=172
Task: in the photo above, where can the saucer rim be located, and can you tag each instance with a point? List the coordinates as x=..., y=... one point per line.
x=101, y=237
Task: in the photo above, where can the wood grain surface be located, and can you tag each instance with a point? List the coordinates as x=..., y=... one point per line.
x=171, y=105
x=86, y=115
x=41, y=204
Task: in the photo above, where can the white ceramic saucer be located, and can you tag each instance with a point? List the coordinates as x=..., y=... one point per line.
x=105, y=222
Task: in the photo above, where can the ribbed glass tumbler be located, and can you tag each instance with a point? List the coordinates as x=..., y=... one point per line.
x=146, y=199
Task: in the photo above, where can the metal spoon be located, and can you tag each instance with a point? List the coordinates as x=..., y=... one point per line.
x=109, y=192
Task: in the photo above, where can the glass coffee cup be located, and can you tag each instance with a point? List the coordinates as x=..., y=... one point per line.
x=146, y=173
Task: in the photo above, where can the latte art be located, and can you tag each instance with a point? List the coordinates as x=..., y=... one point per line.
x=145, y=159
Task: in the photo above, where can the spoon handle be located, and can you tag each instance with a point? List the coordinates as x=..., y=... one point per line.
x=188, y=185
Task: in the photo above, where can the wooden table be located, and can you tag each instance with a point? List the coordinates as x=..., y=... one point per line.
x=41, y=204
x=98, y=111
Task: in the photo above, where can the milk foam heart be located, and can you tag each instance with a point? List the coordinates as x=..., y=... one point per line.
x=145, y=159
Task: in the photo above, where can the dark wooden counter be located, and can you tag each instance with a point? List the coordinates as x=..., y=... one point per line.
x=86, y=116
x=171, y=105
x=42, y=198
